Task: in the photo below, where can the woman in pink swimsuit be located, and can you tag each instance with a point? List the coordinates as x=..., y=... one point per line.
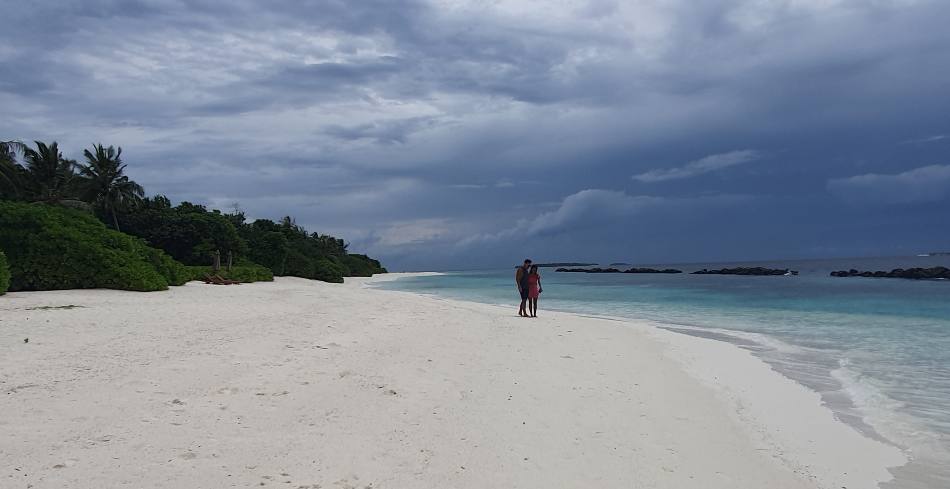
x=534, y=290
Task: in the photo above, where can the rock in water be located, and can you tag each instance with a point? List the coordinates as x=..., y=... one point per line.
x=747, y=271
x=935, y=273
x=652, y=270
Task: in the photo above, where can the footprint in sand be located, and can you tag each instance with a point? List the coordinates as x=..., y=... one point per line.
x=68, y=463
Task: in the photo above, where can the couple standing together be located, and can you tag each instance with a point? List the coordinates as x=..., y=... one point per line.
x=529, y=286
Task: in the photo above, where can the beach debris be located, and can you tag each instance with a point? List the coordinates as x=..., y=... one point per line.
x=219, y=280
x=47, y=308
x=26, y=340
x=177, y=401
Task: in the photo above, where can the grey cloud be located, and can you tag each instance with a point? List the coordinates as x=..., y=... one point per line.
x=701, y=166
x=294, y=106
x=920, y=185
x=327, y=75
x=588, y=208
x=596, y=209
x=384, y=132
x=930, y=139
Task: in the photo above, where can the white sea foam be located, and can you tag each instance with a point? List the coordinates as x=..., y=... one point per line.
x=885, y=414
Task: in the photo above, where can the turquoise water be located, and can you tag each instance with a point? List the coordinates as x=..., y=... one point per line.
x=878, y=350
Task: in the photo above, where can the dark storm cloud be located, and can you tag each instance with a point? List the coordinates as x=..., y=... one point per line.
x=418, y=128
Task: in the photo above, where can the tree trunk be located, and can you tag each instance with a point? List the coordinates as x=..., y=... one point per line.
x=115, y=220
x=217, y=260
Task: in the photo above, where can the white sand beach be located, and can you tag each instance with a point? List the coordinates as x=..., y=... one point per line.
x=304, y=384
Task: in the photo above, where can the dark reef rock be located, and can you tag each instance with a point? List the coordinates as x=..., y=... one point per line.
x=614, y=270
x=747, y=271
x=935, y=273
x=588, y=270
x=652, y=270
x=562, y=264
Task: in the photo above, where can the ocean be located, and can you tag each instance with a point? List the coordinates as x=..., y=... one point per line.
x=876, y=349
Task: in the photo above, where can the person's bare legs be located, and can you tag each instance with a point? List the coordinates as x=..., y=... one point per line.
x=521, y=310
x=534, y=307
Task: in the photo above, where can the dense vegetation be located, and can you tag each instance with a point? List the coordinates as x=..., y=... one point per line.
x=53, y=247
x=4, y=274
x=205, y=240
x=288, y=249
x=241, y=273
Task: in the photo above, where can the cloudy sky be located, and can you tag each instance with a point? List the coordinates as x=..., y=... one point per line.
x=461, y=134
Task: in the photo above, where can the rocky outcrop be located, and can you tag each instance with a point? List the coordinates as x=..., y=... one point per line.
x=935, y=273
x=747, y=271
x=614, y=270
x=652, y=270
x=588, y=270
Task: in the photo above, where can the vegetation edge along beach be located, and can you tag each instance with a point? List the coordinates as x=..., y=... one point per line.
x=66, y=224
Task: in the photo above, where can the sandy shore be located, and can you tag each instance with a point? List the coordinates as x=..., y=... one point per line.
x=303, y=384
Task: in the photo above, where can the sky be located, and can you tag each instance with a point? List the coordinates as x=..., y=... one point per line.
x=453, y=134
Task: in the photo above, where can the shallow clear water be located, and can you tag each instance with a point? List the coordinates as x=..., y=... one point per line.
x=878, y=350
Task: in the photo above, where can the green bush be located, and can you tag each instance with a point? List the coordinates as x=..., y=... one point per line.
x=266, y=244
x=328, y=270
x=4, y=274
x=189, y=233
x=362, y=265
x=242, y=273
x=174, y=272
x=51, y=247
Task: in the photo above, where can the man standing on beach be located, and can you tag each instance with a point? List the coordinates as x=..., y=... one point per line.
x=521, y=279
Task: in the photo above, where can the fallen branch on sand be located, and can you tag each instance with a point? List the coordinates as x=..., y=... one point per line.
x=219, y=280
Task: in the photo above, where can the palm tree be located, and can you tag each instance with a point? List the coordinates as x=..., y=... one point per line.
x=105, y=185
x=47, y=176
x=10, y=172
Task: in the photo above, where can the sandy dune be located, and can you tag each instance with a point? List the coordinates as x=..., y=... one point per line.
x=303, y=384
